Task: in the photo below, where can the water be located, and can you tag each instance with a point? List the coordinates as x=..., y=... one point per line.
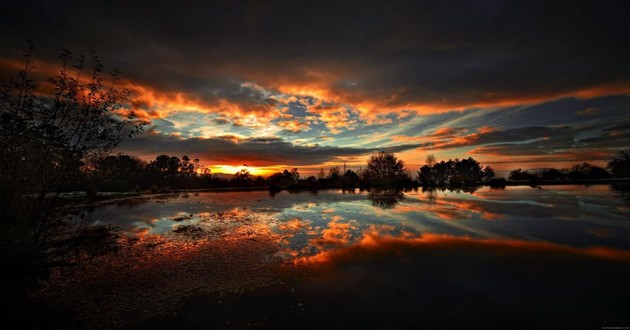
x=572, y=216
x=557, y=257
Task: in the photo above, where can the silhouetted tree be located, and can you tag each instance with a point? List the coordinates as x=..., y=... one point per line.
x=554, y=174
x=453, y=172
x=430, y=160
x=188, y=167
x=385, y=170
x=425, y=176
x=242, y=178
x=334, y=174
x=293, y=175
x=488, y=173
x=465, y=171
x=350, y=179
x=521, y=175
x=310, y=181
x=284, y=179
x=588, y=171
x=47, y=135
x=116, y=173
x=321, y=174
x=442, y=171
x=619, y=165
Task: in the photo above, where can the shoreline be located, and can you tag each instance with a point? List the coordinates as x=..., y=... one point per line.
x=105, y=195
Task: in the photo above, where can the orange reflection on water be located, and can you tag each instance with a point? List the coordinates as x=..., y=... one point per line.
x=476, y=208
x=337, y=233
x=381, y=240
x=450, y=209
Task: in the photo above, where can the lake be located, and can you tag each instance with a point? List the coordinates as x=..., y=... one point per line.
x=520, y=257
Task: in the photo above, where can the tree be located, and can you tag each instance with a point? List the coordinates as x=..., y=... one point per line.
x=430, y=160
x=425, y=175
x=242, y=176
x=466, y=171
x=619, y=165
x=115, y=172
x=554, y=174
x=488, y=173
x=47, y=136
x=588, y=171
x=442, y=171
x=294, y=175
x=385, y=170
x=165, y=169
x=321, y=174
x=334, y=174
x=188, y=167
x=350, y=179
x=520, y=175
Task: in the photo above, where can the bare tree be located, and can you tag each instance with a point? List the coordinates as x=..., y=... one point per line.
x=47, y=136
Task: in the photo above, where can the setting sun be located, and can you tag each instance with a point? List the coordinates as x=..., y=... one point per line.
x=230, y=169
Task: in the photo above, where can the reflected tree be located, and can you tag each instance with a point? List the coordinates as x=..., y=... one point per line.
x=386, y=198
x=431, y=194
x=621, y=191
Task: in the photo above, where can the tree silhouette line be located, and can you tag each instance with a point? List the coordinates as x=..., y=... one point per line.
x=464, y=172
x=383, y=170
x=129, y=173
x=617, y=167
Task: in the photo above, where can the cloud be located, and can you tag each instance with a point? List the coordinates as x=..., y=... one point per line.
x=429, y=74
x=228, y=149
x=430, y=56
x=557, y=136
x=588, y=112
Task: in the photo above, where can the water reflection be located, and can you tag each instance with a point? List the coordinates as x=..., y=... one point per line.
x=438, y=245
x=386, y=199
x=313, y=222
x=621, y=191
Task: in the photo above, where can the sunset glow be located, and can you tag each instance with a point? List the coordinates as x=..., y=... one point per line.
x=229, y=169
x=228, y=103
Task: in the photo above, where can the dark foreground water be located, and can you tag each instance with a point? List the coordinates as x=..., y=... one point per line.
x=519, y=258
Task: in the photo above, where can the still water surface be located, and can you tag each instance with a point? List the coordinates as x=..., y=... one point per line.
x=521, y=257
x=571, y=216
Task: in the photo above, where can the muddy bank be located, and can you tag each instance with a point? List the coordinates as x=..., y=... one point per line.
x=149, y=276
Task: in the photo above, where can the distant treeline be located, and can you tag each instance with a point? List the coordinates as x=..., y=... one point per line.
x=126, y=173
x=456, y=172
x=383, y=170
x=583, y=171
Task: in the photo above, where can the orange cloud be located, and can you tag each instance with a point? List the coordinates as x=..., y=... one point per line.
x=294, y=126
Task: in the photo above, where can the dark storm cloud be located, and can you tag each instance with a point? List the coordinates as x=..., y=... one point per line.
x=536, y=141
x=617, y=128
x=542, y=138
x=621, y=140
x=259, y=151
x=505, y=65
x=394, y=53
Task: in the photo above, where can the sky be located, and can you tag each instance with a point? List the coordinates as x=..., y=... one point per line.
x=311, y=84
